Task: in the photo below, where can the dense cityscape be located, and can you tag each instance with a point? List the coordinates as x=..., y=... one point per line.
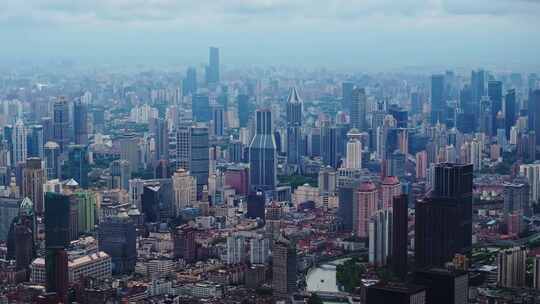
x=270, y=151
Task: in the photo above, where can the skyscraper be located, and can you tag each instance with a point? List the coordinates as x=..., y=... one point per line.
x=255, y=205
x=380, y=237
x=35, y=141
x=19, y=143
x=262, y=154
x=244, y=109
x=259, y=250
x=399, y=235
x=438, y=103
x=200, y=107
x=56, y=240
x=117, y=238
x=353, y=158
x=294, y=124
x=184, y=243
x=443, y=223
x=347, y=94
x=358, y=109
x=161, y=136
x=218, y=119
x=61, y=123
x=129, y=151
x=236, y=249
x=509, y=111
x=512, y=267
x=365, y=207
x=189, y=84
x=284, y=267
x=534, y=113
x=329, y=146
x=51, y=152
x=80, y=122
x=185, y=189
x=495, y=96
x=212, y=70
x=78, y=165
x=33, y=180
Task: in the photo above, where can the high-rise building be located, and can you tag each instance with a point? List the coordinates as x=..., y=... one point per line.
x=87, y=209
x=51, y=152
x=294, y=124
x=236, y=249
x=364, y=207
x=244, y=109
x=218, y=119
x=421, y=164
x=390, y=188
x=534, y=113
x=400, y=227
x=33, y=180
x=262, y=154
x=78, y=165
x=185, y=189
x=61, y=128
x=444, y=286
x=358, y=109
x=443, y=225
x=255, y=205
x=161, y=137
x=189, y=84
x=347, y=206
x=327, y=181
x=512, y=267
x=35, y=141
x=56, y=241
x=536, y=273
x=532, y=173
x=19, y=143
x=495, y=96
x=200, y=107
x=395, y=293
x=516, y=196
x=184, y=243
x=353, y=158
x=329, y=146
x=117, y=237
x=120, y=174
x=347, y=88
x=212, y=70
x=380, y=237
x=259, y=249
x=129, y=151
x=284, y=267
x=438, y=102
x=80, y=122
x=509, y=111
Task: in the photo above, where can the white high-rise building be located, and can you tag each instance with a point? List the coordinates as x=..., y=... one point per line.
x=19, y=143
x=259, y=250
x=185, y=189
x=476, y=155
x=512, y=267
x=380, y=237
x=532, y=173
x=536, y=273
x=354, y=154
x=236, y=250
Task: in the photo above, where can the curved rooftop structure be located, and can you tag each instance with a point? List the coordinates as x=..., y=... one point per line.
x=367, y=186
x=294, y=97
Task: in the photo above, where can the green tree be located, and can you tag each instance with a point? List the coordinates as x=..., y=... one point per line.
x=349, y=274
x=314, y=299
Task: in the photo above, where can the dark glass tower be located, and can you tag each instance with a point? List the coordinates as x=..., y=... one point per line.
x=200, y=106
x=358, y=109
x=509, y=111
x=262, y=154
x=255, y=205
x=61, y=123
x=294, y=125
x=78, y=165
x=495, y=96
x=534, y=113
x=56, y=240
x=161, y=135
x=399, y=235
x=117, y=238
x=212, y=70
x=80, y=122
x=329, y=146
x=35, y=141
x=189, y=84
x=438, y=103
x=244, y=109
x=346, y=92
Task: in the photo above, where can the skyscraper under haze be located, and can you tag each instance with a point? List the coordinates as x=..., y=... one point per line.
x=33, y=180
x=294, y=124
x=399, y=235
x=262, y=154
x=509, y=111
x=438, y=103
x=212, y=70
x=189, y=84
x=80, y=122
x=358, y=109
x=61, y=123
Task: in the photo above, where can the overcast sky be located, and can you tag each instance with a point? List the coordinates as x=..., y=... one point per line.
x=368, y=34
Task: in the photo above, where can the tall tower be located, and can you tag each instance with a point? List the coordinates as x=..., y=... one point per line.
x=212, y=71
x=380, y=237
x=495, y=96
x=56, y=240
x=192, y=152
x=33, y=180
x=509, y=111
x=35, y=141
x=284, y=267
x=294, y=124
x=262, y=154
x=358, y=109
x=19, y=143
x=189, y=84
x=399, y=235
x=512, y=267
x=61, y=123
x=117, y=237
x=80, y=122
x=78, y=165
x=51, y=152
x=365, y=206
x=353, y=158
x=161, y=135
x=438, y=103
x=218, y=118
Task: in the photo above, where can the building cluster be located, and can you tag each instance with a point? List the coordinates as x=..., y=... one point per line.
x=148, y=188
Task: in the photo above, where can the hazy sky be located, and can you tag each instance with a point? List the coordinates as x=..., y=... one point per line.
x=369, y=34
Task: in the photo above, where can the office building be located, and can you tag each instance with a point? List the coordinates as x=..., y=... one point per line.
x=117, y=238
x=294, y=124
x=534, y=113
x=78, y=165
x=120, y=174
x=35, y=142
x=129, y=151
x=512, y=268
x=395, y=293
x=329, y=146
x=347, y=94
x=438, y=101
x=19, y=143
x=400, y=220
x=51, y=151
x=218, y=120
x=536, y=272
x=212, y=70
x=444, y=286
x=256, y=205
x=61, y=129
x=184, y=246
x=358, y=109
x=284, y=267
x=390, y=188
x=236, y=249
x=185, y=189
x=80, y=122
x=365, y=205
x=353, y=158
x=200, y=107
x=380, y=237
x=510, y=108
x=262, y=154
x=259, y=250
x=33, y=181
x=161, y=139
x=189, y=83
x=244, y=109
